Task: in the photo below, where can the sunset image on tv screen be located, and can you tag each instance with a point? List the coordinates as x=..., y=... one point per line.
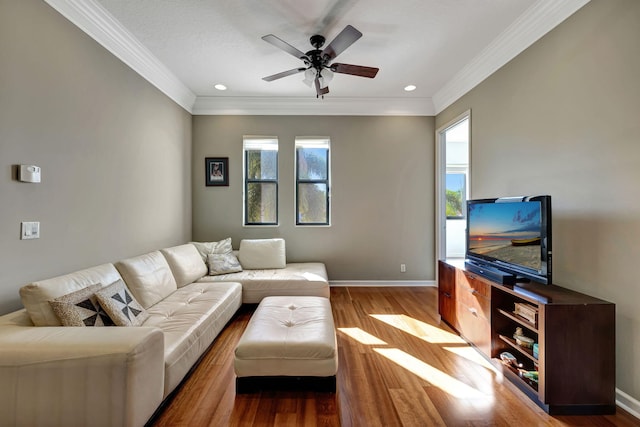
x=509, y=232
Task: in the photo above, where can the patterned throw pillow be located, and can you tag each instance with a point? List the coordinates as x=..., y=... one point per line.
x=81, y=308
x=223, y=264
x=206, y=248
x=121, y=306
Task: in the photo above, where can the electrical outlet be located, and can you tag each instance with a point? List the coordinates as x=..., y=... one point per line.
x=29, y=230
x=403, y=268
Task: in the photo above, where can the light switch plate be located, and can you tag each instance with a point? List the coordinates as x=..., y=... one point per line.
x=30, y=230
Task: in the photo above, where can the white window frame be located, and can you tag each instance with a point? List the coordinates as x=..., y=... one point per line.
x=441, y=170
x=253, y=143
x=312, y=142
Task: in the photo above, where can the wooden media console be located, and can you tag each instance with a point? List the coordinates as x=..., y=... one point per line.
x=574, y=336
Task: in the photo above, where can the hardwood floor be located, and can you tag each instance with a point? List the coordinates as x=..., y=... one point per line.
x=398, y=366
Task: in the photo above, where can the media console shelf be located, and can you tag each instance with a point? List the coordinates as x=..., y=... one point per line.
x=575, y=336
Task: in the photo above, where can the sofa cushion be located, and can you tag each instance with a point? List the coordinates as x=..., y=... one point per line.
x=206, y=248
x=185, y=262
x=190, y=319
x=121, y=306
x=16, y=318
x=36, y=296
x=223, y=264
x=81, y=308
x=148, y=277
x=303, y=278
x=257, y=254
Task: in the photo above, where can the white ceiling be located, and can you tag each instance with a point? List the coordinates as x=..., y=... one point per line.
x=444, y=47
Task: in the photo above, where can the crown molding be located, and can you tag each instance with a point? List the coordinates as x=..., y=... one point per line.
x=537, y=21
x=93, y=19
x=311, y=106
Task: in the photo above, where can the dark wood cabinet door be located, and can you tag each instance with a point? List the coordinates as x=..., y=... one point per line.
x=446, y=293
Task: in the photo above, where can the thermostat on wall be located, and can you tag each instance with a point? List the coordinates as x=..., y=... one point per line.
x=29, y=173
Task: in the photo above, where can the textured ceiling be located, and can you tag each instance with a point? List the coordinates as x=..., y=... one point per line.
x=444, y=47
x=420, y=42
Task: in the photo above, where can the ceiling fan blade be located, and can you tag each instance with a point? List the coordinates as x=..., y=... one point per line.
x=332, y=14
x=320, y=91
x=355, y=70
x=279, y=43
x=283, y=74
x=346, y=38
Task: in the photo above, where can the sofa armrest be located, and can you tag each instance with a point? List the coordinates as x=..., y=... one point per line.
x=64, y=376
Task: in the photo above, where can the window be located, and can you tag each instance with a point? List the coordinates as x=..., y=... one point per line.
x=456, y=194
x=312, y=181
x=260, y=180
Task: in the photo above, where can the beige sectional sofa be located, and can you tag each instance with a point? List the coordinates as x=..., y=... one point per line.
x=54, y=375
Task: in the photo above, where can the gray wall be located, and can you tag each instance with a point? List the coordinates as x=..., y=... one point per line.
x=115, y=153
x=382, y=196
x=563, y=118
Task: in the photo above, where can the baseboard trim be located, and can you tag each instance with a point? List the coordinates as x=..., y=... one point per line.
x=628, y=403
x=381, y=283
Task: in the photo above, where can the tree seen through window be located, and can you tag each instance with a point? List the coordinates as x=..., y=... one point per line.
x=261, y=183
x=455, y=195
x=312, y=182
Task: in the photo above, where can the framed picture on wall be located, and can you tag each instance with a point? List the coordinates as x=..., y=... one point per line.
x=216, y=171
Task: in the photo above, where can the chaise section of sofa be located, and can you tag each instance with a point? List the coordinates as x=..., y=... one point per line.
x=264, y=272
x=301, y=279
x=66, y=376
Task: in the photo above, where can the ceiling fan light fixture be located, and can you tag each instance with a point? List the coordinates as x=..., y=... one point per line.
x=326, y=76
x=309, y=76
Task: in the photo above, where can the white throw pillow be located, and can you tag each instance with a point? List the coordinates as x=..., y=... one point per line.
x=257, y=254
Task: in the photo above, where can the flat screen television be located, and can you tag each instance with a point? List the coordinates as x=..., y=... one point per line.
x=511, y=235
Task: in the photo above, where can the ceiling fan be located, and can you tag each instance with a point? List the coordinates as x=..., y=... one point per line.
x=318, y=68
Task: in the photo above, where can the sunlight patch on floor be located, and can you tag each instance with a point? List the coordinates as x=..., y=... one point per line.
x=435, y=377
x=417, y=328
x=362, y=336
x=472, y=355
x=453, y=386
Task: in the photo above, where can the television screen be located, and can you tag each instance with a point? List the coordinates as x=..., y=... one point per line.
x=511, y=235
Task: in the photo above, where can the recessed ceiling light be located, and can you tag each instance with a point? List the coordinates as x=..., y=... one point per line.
x=410, y=88
x=220, y=87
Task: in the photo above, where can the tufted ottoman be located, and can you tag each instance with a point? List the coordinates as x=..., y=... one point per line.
x=289, y=342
